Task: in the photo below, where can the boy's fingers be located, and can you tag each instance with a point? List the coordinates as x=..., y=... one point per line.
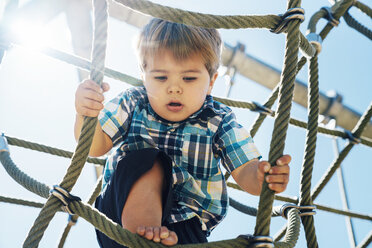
x=277, y=187
x=105, y=87
x=264, y=166
x=283, y=160
x=283, y=178
x=283, y=169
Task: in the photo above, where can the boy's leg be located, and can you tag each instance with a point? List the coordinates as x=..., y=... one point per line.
x=142, y=212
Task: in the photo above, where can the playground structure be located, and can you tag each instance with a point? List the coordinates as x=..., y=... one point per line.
x=263, y=221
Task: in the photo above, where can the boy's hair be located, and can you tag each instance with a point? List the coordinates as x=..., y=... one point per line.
x=182, y=40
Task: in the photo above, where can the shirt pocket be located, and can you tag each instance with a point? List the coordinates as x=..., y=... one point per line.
x=197, y=155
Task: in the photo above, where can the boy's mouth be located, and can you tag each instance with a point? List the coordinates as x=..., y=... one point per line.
x=174, y=106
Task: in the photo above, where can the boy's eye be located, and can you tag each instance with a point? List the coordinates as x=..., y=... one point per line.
x=189, y=79
x=161, y=78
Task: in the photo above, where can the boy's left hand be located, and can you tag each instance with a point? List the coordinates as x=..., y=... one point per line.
x=278, y=176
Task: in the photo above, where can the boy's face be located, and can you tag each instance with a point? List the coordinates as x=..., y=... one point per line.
x=176, y=89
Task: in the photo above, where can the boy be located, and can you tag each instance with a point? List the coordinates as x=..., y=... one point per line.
x=164, y=181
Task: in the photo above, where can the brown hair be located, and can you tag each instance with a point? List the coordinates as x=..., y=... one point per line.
x=182, y=40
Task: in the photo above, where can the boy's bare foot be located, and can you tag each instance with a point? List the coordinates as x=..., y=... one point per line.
x=158, y=234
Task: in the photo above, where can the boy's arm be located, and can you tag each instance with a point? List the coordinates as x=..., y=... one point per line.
x=88, y=102
x=101, y=143
x=250, y=175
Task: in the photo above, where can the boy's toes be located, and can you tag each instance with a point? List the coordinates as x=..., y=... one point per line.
x=141, y=230
x=156, y=234
x=164, y=232
x=171, y=240
x=149, y=233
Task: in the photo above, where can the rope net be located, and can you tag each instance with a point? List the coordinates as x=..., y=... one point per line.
x=300, y=210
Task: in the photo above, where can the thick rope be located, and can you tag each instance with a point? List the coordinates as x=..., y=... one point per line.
x=364, y=8
x=311, y=137
x=281, y=121
x=22, y=178
x=294, y=200
x=357, y=26
x=212, y=21
x=87, y=132
x=48, y=149
x=96, y=191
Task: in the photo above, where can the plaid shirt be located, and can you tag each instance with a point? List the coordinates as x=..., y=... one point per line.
x=197, y=146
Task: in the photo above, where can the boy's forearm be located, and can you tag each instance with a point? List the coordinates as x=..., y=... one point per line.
x=246, y=177
x=101, y=142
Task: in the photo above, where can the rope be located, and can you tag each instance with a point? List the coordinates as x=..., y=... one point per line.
x=294, y=40
x=73, y=219
x=311, y=137
x=281, y=121
x=48, y=149
x=86, y=136
x=357, y=26
x=212, y=21
x=331, y=170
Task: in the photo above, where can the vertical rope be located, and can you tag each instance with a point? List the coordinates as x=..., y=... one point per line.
x=311, y=137
x=85, y=140
x=281, y=121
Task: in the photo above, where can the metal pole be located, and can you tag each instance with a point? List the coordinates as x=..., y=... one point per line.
x=341, y=185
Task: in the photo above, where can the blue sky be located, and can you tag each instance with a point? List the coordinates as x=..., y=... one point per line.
x=37, y=104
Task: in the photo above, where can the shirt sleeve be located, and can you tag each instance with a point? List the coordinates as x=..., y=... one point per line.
x=234, y=144
x=115, y=117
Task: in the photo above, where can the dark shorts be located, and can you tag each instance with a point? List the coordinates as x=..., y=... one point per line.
x=128, y=171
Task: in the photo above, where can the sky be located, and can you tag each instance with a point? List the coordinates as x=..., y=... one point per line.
x=37, y=104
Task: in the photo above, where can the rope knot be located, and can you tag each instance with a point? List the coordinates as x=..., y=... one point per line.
x=291, y=14
x=329, y=16
x=304, y=210
x=65, y=197
x=258, y=241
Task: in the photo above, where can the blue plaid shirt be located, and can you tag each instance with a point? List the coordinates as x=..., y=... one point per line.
x=197, y=146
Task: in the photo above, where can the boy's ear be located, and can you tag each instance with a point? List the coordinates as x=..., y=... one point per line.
x=211, y=83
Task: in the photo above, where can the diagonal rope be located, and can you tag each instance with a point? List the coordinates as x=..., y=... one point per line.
x=281, y=121
x=357, y=26
x=332, y=169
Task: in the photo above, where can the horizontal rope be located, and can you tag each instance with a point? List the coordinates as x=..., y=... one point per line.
x=294, y=200
x=84, y=64
x=48, y=149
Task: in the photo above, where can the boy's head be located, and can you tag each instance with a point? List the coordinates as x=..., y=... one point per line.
x=183, y=41
x=179, y=67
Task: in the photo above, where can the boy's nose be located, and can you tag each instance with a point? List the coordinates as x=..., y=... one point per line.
x=174, y=89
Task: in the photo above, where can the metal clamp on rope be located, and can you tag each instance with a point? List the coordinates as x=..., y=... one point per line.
x=258, y=241
x=263, y=109
x=65, y=197
x=291, y=14
x=304, y=210
x=72, y=220
x=354, y=140
x=316, y=41
x=3, y=144
x=333, y=21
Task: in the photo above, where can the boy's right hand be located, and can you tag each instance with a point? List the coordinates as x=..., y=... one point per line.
x=89, y=98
